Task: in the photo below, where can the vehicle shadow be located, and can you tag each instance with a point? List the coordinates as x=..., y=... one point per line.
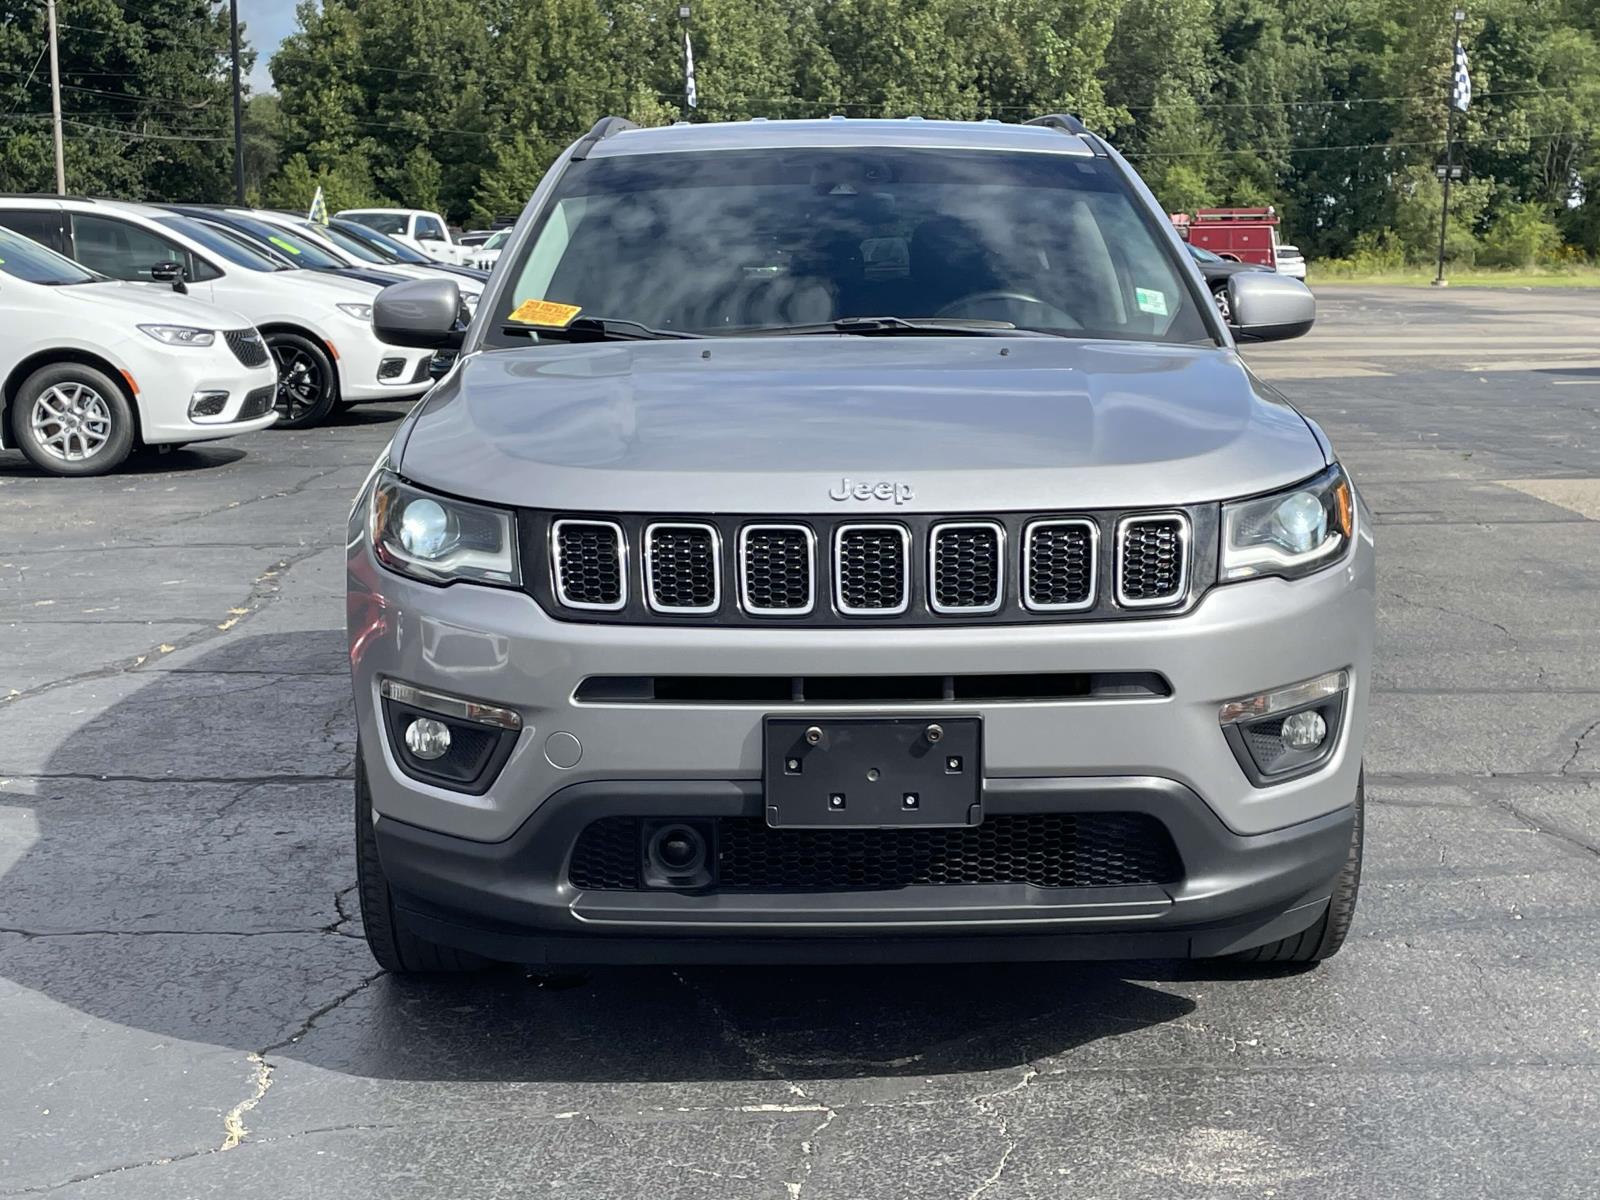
x=146, y=461
x=201, y=887
x=354, y=416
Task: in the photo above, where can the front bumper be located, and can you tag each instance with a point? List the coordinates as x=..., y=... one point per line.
x=169, y=379
x=361, y=374
x=512, y=900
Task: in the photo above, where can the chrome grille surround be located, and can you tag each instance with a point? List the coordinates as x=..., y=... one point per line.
x=558, y=531
x=997, y=570
x=1029, y=598
x=652, y=584
x=810, y=540
x=840, y=583
x=1178, y=591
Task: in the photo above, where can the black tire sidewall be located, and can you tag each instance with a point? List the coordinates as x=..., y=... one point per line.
x=330, y=392
x=123, y=420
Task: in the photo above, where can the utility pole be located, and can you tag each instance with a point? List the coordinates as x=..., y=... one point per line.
x=691, y=98
x=238, y=109
x=1449, y=147
x=55, y=100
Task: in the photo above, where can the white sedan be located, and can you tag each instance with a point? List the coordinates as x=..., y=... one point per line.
x=95, y=366
x=1290, y=261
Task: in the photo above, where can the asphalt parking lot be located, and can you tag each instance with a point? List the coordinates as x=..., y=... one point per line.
x=186, y=1008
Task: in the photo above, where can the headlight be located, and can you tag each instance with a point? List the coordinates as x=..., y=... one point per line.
x=440, y=540
x=361, y=312
x=180, y=335
x=1290, y=533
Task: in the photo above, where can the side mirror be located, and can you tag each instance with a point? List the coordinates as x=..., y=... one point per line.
x=420, y=313
x=168, y=271
x=1269, y=308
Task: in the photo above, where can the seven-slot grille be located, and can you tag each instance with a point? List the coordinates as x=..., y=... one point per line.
x=1152, y=559
x=1059, y=564
x=682, y=568
x=247, y=346
x=777, y=568
x=966, y=568
x=589, y=561
x=926, y=570
x=871, y=573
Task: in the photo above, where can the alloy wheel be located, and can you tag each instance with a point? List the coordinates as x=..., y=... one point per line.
x=71, y=421
x=300, y=381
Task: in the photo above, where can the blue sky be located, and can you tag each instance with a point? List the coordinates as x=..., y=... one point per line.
x=267, y=23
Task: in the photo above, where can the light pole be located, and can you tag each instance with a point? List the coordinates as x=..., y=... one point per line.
x=1449, y=146
x=55, y=101
x=238, y=109
x=691, y=97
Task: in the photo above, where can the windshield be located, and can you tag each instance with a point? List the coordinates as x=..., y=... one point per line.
x=300, y=250
x=747, y=240
x=226, y=245
x=352, y=245
x=396, y=251
x=27, y=260
x=498, y=240
x=382, y=222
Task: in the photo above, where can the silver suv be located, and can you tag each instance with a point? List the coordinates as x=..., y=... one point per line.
x=855, y=540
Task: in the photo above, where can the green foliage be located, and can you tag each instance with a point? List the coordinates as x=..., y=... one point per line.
x=1522, y=236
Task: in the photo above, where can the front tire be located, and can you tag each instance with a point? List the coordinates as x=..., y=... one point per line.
x=71, y=419
x=397, y=949
x=308, y=385
x=1323, y=939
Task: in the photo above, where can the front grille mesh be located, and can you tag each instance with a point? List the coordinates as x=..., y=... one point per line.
x=871, y=569
x=683, y=567
x=777, y=570
x=1152, y=563
x=258, y=403
x=1060, y=564
x=247, y=346
x=966, y=567
x=1050, y=850
x=589, y=563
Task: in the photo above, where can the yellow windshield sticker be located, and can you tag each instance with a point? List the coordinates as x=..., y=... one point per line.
x=544, y=312
x=287, y=247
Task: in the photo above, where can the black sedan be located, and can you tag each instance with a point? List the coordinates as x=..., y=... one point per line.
x=1217, y=271
x=283, y=245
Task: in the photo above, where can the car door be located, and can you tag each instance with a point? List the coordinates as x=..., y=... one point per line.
x=123, y=249
x=430, y=235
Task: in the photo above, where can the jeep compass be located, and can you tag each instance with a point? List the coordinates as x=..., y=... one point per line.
x=854, y=540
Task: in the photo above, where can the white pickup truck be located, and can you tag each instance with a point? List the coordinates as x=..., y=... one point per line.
x=424, y=231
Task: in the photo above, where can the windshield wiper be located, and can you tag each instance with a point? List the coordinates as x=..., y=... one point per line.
x=890, y=327
x=599, y=329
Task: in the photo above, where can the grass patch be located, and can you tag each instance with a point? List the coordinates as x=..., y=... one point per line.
x=1469, y=277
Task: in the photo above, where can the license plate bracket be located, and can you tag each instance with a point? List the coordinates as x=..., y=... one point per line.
x=873, y=772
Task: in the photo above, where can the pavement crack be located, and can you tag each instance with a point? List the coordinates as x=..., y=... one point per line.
x=1577, y=747
x=233, y=1122
x=985, y=1104
x=282, y=494
x=263, y=591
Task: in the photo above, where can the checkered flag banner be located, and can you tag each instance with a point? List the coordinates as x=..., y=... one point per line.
x=1461, y=82
x=319, y=208
x=691, y=94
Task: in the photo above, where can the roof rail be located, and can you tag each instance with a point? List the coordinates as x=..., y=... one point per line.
x=603, y=128
x=1065, y=122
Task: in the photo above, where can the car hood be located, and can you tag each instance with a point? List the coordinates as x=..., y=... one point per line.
x=779, y=424
x=149, y=304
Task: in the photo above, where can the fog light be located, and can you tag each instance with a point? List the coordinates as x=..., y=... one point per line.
x=1304, y=730
x=428, y=739
x=390, y=368
x=207, y=403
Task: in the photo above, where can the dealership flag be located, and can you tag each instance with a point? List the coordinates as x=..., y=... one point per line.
x=1461, y=85
x=319, y=208
x=690, y=95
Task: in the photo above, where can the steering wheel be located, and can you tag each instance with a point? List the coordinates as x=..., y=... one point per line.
x=1059, y=318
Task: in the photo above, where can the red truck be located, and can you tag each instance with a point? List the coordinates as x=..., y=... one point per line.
x=1245, y=234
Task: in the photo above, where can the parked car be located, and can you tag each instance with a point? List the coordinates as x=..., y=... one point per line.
x=1290, y=261
x=377, y=247
x=486, y=255
x=317, y=327
x=474, y=238
x=977, y=606
x=1217, y=271
x=94, y=367
x=417, y=228
x=286, y=245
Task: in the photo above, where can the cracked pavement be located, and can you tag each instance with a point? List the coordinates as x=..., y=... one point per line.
x=187, y=1008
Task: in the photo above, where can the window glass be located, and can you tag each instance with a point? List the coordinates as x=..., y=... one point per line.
x=41, y=226
x=227, y=246
x=397, y=251
x=24, y=259
x=383, y=222
x=120, y=248
x=429, y=230
x=721, y=241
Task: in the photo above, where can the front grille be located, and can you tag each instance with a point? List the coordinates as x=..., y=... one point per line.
x=258, y=403
x=1047, y=850
x=682, y=567
x=1151, y=560
x=247, y=346
x=967, y=567
x=871, y=572
x=1059, y=565
x=589, y=566
x=777, y=564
